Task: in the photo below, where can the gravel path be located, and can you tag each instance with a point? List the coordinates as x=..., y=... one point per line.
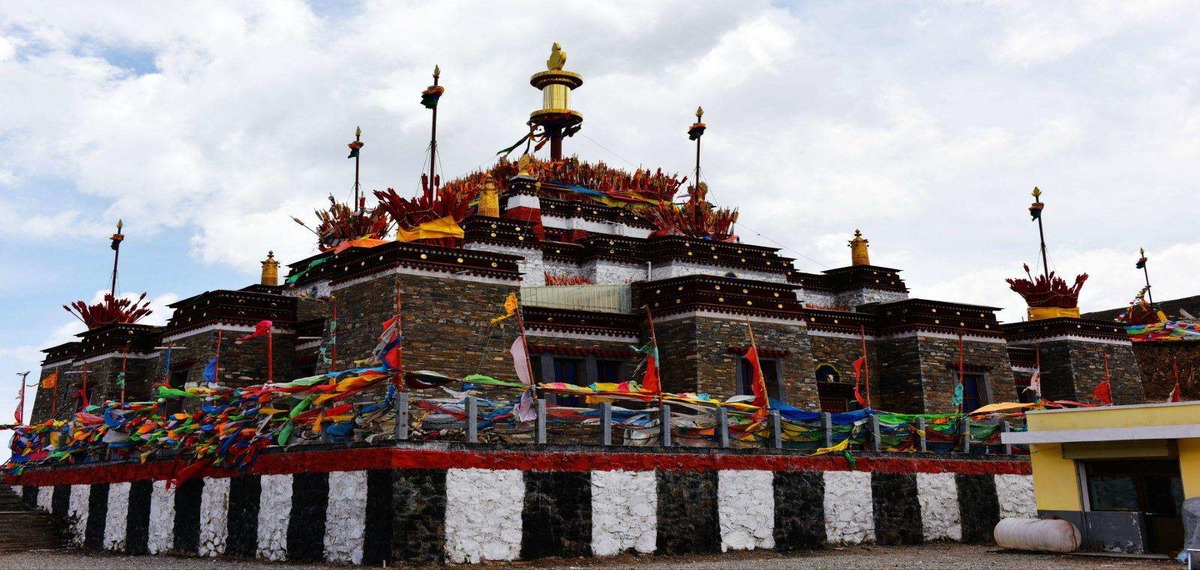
x=923, y=557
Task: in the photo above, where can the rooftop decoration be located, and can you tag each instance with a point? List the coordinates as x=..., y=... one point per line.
x=110, y=310
x=556, y=118
x=858, y=249
x=1047, y=296
x=342, y=223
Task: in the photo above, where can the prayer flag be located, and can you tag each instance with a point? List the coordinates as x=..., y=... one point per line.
x=1035, y=385
x=650, y=380
x=430, y=96
x=1176, y=395
x=1141, y=263
x=957, y=398
x=510, y=308
x=210, y=371
x=354, y=147
x=524, y=409
x=445, y=227
x=1103, y=393
x=521, y=362
x=858, y=370
x=260, y=329
x=1035, y=210
x=50, y=381
x=757, y=384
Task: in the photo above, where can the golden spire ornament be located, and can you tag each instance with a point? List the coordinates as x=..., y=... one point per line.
x=556, y=117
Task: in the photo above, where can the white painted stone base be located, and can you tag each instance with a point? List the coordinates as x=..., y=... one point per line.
x=1015, y=493
x=940, y=517
x=849, y=512
x=45, y=498
x=746, y=509
x=483, y=514
x=118, y=514
x=345, y=517
x=162, y=518
x=624, y=512
x=77, y=512
x=214, y=517
x=275, y=507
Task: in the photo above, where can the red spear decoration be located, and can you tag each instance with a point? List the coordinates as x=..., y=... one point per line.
x=110, y=310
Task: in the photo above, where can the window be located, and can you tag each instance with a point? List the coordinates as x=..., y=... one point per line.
x=570, y=371
x=1149, y=486
x=827, y=373
x=975, y=391
x=608, y=371
x=771, y=377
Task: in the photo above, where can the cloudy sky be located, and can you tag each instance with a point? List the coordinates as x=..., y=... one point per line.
x=206, y=125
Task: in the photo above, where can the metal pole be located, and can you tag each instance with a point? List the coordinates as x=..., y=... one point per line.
x=1041, y=232
x=776, y=430
x=472, y=419
x=402, y=416
x=357, y=156
x=965, y=428
x=117, y=238
x=922, y=441
x=606, y=423
x=722, y=428
x=540, y=436
x=1146, y=274
x=876, y=443
x=664, y=425
x=1006, y=427
x=429, y=190
x=826, y=429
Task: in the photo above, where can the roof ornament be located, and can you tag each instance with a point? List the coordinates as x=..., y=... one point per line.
x=858, y=249
x=558, y=58
x=556, y=118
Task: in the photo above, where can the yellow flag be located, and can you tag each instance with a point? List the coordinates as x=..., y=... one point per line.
x=50, y=381
x=510, y=308
x=440, y=228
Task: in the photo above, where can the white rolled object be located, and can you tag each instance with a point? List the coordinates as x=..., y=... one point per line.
x=1038, y=535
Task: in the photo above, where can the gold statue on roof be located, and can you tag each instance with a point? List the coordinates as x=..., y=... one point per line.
x=558, y=58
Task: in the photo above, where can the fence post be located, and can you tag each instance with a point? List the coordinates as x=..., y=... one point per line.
x=402, y=416
x=826, y=429
x=776, y=430
x=540, y=436
x=722, y=427
x=965, y=428
x=1006, y=427
x=472, y=419
x=922, y=441
x=664, y=425
x=876, y=443
x=606, y=423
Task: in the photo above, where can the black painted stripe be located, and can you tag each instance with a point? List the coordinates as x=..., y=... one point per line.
x=245, y=492
x=377, y=536
x=897, y=508
x=687, y=512
x=29, y=494
x=93, y=533
x=557, y=516
x=187, y=515
x=306, y=524
x=418, y=518
x=137, y=520
x=978, y=506
x=60, y=501
x=799, y=510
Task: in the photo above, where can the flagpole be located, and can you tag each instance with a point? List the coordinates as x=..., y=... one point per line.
x=54, y=398
x=333, y=340
x=270, y=355
x=961, y=370
x=1146, y=274
x=657, y=360
x=357, y=157
x=1174, y=364
x=124, y=360
x=429, y=189
x=20, y=415
x=525, y=345
x=398, y=379
x=1037, y=203
x=862, y=333
x=117, y=238
x=83, y=398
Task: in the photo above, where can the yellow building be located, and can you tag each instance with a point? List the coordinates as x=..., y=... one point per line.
x=1119, y=473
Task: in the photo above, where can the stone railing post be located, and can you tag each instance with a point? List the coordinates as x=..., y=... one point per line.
x=1006, y=427
x=402, y=416
x=922, y=441
x=776, y=430
x=876, y=441
x=472, y=419
x=722, y=427
x=540, y=422
x=965, y=429
x=826, y=429
x=664, y=425
x=606, y=423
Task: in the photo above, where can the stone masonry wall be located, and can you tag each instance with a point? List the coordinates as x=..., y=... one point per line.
x=898, y=386
x=1071, y=370
x=1155, y=361
x=939, y=359
x=240, y=364
x=696, y=356
x=841, y=353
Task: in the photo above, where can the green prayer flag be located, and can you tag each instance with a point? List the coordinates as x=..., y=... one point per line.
x=957, y=399
x=353, y=153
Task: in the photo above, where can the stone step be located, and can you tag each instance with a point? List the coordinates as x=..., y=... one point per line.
x=25, y=527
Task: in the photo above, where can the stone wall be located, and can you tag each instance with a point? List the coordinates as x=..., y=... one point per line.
x=240, y=364
x=1073, y=368
x=858, y=297
x=445, y=323
x=697, y=356
x=918, y=372
x=1157, y=361
x=672, y=269
x=840, y=353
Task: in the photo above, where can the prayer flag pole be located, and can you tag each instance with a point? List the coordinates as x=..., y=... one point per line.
x=862, y=333
x=270, y=356
x=1036, y=211
x=961, y=370
x=116, y=238
x=20, y=413
x=657, y=361
x=1141, y=264
x=397, y=331
x=333, y=339
x=124, y=360
x=525, y=345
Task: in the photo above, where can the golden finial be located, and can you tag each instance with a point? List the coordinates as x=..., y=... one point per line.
x=270, y=270
x=1037, y=193
x=858, y=249
x=699, y=113
x=558, y=58
x=437, y=72
x=523, y=164
x=120, y=224
x=489, y=200
x=358, y=131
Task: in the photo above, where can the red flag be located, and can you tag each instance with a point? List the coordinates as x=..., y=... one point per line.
x=650, y=381
x=757, y=384
x=392, y=356
x=1176, y=394
x=1103, y=393
x=261, y=329
x=858, y=369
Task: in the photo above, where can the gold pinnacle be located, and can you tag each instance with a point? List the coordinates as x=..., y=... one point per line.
x=358, y=131
x=437, y=72
x=1036, y=192
x=120, y=224
x=558, y=58
x=699, y=113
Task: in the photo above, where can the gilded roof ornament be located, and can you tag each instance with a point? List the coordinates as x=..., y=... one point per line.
x=523, y=164
x=558, y=58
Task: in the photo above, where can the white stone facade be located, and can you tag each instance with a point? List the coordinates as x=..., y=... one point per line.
x=624, y=512
x=77, y=512
x=849, y=512
x=118, y=514
x=162, y=518
x=1015, y=494
x=531, y=266
x=746, y=509
x=345, y=517
x=45, y=498
x=274, y=511
x=940, y=517
x=483, y=514
x=214, y=517
x=672, y=269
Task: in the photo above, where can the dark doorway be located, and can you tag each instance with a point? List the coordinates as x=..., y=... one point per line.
x=1152, y=487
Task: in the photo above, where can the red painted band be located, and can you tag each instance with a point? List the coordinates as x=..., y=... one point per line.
x=408, y=458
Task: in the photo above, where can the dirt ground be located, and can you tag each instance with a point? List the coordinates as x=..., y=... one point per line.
x=927, y=556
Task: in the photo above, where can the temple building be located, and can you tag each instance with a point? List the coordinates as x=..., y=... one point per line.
x=603, y=260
